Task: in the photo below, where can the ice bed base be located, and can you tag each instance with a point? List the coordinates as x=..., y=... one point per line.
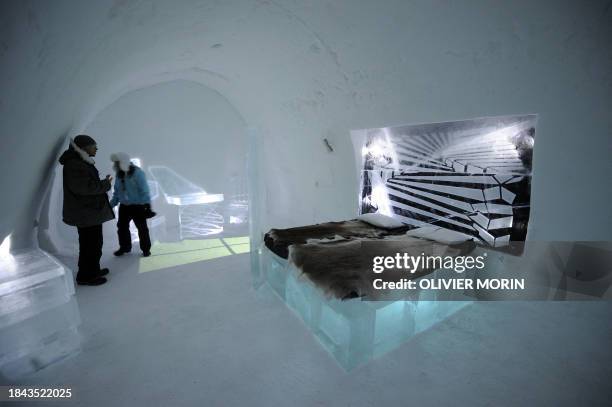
x=39, y=316
x=353, y=331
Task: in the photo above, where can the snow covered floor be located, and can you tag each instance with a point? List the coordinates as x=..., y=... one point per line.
x=198, y=334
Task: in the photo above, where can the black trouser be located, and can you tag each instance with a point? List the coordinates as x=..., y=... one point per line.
x=90, y=251
x=136, y=213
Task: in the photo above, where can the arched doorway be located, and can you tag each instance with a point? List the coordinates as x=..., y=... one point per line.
x=192, y=144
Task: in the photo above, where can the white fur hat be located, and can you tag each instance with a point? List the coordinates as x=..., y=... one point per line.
x=122, y=159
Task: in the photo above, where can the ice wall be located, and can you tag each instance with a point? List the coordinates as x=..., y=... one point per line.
x=303, y=71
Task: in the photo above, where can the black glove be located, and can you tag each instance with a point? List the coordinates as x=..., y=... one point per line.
x=148, y=213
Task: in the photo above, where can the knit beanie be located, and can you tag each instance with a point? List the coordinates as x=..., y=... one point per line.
x=83, y=141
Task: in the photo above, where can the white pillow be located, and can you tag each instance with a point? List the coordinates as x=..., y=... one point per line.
x=380, y=220
x=439, y=235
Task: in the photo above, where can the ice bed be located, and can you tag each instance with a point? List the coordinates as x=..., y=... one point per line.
x=469, y=177
x=347, y=321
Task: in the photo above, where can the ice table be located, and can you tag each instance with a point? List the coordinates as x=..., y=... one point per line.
x=198, y=210
x=354, y=331
x=39, y=316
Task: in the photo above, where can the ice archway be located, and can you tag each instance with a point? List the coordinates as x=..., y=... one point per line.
x=186, y=127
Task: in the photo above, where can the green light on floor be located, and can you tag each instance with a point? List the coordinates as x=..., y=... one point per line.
x=174, y=254
x=186, y=245
x=238, y=245
x=236, y=240
x=241, y=248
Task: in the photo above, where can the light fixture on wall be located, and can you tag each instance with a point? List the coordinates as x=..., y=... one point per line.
x=380, y=196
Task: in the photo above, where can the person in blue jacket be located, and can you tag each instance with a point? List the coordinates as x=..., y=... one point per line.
x=131, y=191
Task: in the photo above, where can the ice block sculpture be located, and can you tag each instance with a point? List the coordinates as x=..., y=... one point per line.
x=198, y=210
x=355, y=331
x=39, y=317
x=470, y=176
x=153, y=189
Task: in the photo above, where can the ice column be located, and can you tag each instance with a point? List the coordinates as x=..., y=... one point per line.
x=257, y=201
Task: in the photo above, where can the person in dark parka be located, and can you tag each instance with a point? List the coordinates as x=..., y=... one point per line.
x=86, y=206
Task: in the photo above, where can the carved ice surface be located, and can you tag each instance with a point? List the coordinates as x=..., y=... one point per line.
x=198, y=211
x=39, y=316
x=178, y=190
x=238, y=209
x=199, y=220
x=153, y=189
x=354, y=331
x=470, y=176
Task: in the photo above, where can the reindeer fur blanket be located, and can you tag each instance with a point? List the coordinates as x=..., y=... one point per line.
x=279, y=240
x=340, y=262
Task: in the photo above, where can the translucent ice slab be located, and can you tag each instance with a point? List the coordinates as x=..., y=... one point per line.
x=153, y=189
x=194, y=199
x=180, y=191
x=354, y=331
x=238, y=209
x=197, y=209
x=39, y=316
x=22, y=338
x=199, y=220
x=52, y=349
x=27, y=269
x=33, y=299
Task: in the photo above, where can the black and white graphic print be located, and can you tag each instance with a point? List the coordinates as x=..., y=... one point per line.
x=471, y=176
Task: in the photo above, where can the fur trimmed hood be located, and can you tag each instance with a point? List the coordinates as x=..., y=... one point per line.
x=75, y=151
x=123, y=159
